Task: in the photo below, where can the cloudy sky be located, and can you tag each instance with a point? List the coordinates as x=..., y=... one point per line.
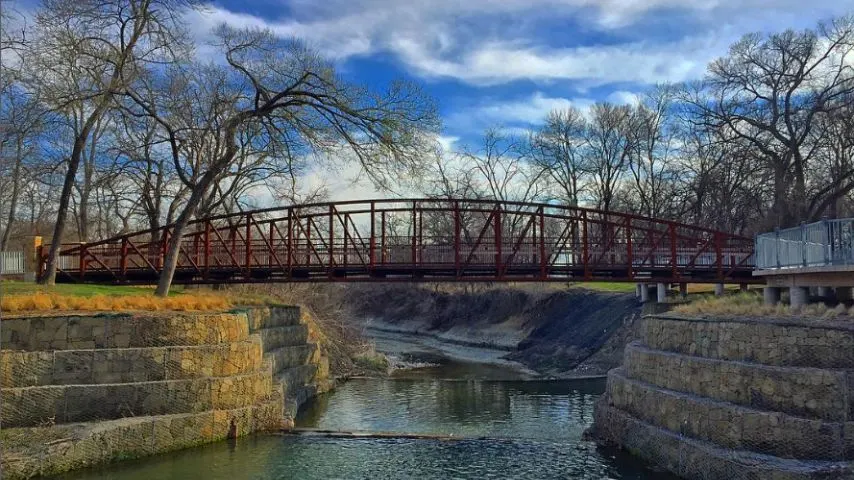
x=508, y=62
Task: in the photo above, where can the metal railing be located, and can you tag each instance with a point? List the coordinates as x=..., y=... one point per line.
x=819, y=244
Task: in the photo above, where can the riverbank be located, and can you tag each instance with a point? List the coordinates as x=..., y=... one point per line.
x=555, y=332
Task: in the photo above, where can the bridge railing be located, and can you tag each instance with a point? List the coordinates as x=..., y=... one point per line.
x=819, y=244
x=446, y=237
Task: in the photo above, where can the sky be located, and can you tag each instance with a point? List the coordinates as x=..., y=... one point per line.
x=507, y=63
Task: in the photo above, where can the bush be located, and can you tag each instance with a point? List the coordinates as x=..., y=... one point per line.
x=372, y=361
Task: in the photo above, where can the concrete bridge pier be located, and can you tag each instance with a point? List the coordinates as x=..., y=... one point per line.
x=798, y=296
x=771, y=295
x=683, y=290
x=843, y=294
x=644, y=293
x=719, y=289
x=824, y=292
x=638, y=287
x=661, y=292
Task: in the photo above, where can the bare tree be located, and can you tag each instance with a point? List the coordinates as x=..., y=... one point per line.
x=298, y=103
x=772, y=92
x=81, y=54
x=559, y=149
x=610, y=144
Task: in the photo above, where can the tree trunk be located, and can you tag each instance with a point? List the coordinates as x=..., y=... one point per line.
x=13, y=202
x=170, y=261
x=49, y=277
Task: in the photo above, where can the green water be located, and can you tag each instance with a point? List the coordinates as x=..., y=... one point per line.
x=509, y=429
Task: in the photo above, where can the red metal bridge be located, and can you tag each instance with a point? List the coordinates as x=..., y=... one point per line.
x=418, y=240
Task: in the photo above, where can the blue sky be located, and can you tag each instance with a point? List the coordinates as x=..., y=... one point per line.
x=509, y=62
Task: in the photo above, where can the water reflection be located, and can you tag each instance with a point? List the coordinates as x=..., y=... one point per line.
x=512, y=430
x=529, y=410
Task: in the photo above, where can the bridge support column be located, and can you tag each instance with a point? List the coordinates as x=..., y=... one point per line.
x=661, y=292
x=683, y=290
x=638, y=288
x=644, y=293
x=742, y=287
x=824, y=292
x=843, y=294
x=771, y=295
x=719, y=289
x=798, y=296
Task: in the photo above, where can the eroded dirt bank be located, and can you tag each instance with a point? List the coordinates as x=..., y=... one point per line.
x=556, y=331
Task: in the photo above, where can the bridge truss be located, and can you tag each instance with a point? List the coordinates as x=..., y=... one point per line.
x=418, y=240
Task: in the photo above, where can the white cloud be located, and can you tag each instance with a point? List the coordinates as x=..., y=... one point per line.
x=623, y=97
x=498, y=41
x=514, y=114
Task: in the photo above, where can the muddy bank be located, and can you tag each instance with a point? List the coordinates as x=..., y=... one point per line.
x=556, y=331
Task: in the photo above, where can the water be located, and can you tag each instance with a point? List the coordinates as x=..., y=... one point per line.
x=506, y=429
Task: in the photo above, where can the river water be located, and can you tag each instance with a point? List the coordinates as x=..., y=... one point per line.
x=496, y=423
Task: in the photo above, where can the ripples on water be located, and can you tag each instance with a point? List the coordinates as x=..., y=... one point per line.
x=512, y=429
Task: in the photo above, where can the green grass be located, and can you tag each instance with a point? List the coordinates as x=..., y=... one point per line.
x=14, y=287
x=617, y=287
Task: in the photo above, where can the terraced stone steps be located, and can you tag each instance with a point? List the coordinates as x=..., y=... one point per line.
x=292, y=356
x=126, y=365
x=695, y=459
x=259, y=318
x=800, y=391
x=34, y=406
x=87, y=444
x=828, y=344
x=729, y=425
x=78, y=331
x=287, y=336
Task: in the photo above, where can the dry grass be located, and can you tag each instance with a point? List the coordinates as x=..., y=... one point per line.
x=40, y=301
x=751, y=305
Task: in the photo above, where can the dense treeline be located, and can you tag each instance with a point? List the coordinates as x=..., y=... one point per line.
x=765, y=139
x=114, y=120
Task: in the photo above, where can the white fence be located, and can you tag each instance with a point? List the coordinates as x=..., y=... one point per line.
x=12, y=263
x=824, y=243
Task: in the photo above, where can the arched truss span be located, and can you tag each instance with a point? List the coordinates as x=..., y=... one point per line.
x=419, y=240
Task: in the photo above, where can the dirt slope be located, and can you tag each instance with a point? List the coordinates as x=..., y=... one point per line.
x=551, y=330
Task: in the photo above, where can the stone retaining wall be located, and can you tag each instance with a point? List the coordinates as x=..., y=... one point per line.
x=735, y=399
x=76, y=332
x=125, y=365
x=767, y=342
x=808, y=392
x=148, y=383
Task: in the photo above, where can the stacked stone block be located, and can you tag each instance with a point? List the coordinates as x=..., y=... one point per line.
x=296, y=359
x=129, y=385
x=735, y=399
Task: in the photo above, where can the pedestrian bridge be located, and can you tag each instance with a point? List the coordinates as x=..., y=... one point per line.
x=418, y=240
